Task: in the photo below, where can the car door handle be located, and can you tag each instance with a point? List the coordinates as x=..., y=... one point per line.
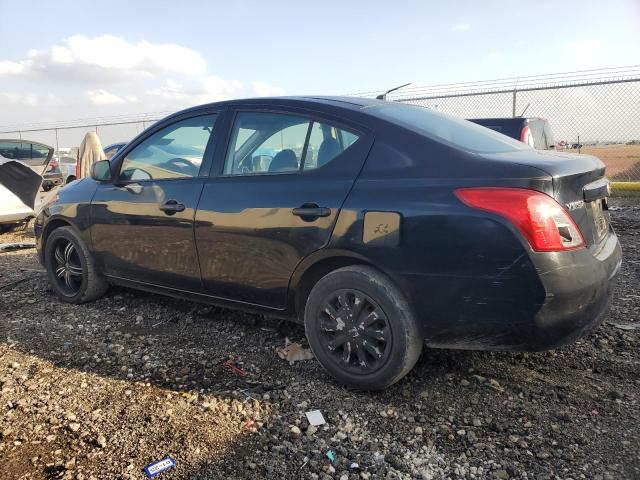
x=172, y=206
x=311, y=211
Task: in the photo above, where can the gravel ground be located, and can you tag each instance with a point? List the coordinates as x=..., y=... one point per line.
x=103, y=389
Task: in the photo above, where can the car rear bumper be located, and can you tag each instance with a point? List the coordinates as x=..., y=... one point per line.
x=544, y=301
x=579, y=288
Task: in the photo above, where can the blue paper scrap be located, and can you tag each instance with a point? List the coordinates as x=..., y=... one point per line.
x=155, y=468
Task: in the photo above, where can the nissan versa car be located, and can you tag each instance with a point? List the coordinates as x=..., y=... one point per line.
x=381, y=227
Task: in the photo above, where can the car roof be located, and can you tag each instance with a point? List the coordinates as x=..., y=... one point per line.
x=350, y=103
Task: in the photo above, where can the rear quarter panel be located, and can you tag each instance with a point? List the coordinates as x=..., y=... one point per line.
x=467, y=273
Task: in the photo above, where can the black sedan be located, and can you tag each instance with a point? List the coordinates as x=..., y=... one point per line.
x=382, y=227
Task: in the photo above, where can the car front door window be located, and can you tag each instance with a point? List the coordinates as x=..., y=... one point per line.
x=173, y=152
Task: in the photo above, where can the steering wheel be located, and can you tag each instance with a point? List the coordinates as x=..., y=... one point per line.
x=182, y=165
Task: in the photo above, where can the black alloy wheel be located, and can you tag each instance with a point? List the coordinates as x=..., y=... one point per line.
x=355, y=329
x=67, y=267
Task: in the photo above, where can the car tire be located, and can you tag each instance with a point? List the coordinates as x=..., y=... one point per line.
x=361, y=328
x=71, y=269
x=47, y=187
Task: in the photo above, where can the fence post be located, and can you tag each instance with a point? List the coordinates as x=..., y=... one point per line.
x=513, y=108
x=57, y=146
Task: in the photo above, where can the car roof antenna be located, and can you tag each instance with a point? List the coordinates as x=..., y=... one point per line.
x=525, y=109
x=383, y=96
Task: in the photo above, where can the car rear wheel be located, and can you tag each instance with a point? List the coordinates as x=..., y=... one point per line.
x=361, y=328
x=70, y=268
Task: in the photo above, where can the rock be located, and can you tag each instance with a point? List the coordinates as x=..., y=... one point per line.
x=311, y=430
x=74, y=427
x=295, y=431
x=101, y=441
x=71, y=464
x=418, y=431
x=477, y=422
x=493, y=383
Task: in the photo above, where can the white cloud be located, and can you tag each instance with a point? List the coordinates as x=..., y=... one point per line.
x=216, y=88
x=108, y=52
x=102, y=97
x=262, y=89
x=11, y=68
x=460, y=27
x=109, y=72
x=494, y=58
x=28, y=99
x=170, y=90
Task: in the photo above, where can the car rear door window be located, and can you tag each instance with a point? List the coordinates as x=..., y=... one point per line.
x=266, y=143
x=175, y=151
x=326, y=142
x=276, y=143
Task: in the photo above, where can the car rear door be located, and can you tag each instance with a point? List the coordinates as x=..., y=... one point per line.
x=142, y=222
x=273, y=198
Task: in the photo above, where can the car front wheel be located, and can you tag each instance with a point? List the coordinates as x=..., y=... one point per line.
x=70, y=268
x=361, y=328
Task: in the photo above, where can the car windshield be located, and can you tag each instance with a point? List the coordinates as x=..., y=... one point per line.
x=452, y=130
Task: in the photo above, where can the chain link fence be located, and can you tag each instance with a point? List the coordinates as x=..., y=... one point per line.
x=587, y=115
x=70, y=134
x=595, y=112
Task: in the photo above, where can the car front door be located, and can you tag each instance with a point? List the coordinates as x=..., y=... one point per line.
x=272, y=200
x=142, y=221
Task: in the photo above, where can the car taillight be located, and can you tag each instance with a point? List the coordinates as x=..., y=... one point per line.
x=543, y=222
x=526, y=136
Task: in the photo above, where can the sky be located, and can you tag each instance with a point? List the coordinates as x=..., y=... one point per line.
x=66, y=60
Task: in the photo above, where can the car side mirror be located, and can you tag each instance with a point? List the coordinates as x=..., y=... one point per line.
x=101, y=171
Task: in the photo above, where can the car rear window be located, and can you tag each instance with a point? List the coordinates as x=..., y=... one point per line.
x=452, y=130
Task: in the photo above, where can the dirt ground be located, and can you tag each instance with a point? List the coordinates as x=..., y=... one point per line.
x=622, y=161
x=102, y=390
